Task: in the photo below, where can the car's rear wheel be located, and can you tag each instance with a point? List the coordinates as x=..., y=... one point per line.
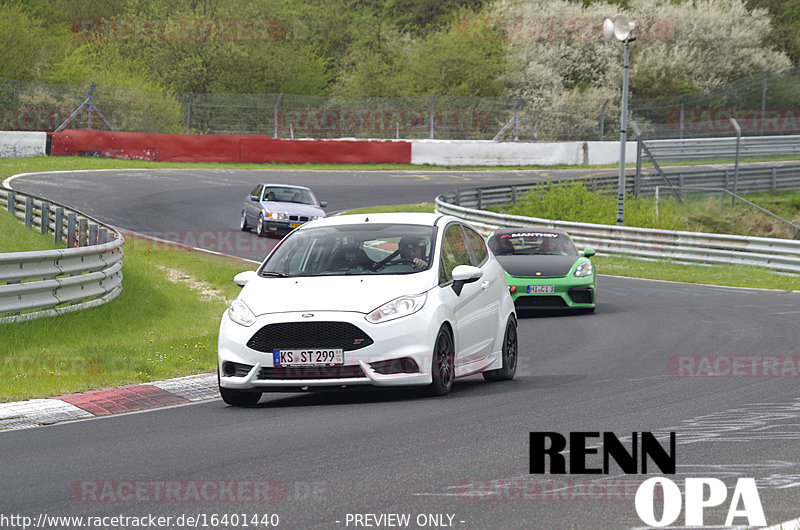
x=443, y=364
x=243, y=223
x=260, y=226
x=237, y=398
x=510, y=348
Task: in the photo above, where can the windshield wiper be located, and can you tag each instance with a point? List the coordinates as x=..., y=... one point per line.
x=275, y=274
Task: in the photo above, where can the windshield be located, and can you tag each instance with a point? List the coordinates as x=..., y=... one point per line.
x=531, y=243
x=352, y=250
x=288, y=194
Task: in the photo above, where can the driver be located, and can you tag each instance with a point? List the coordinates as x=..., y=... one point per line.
x=413, y=249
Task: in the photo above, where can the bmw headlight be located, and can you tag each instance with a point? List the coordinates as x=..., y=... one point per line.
x=276, y=215
x=583, y=270
x=399, y=307
x=241, y=314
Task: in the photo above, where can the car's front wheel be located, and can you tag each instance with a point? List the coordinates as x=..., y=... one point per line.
x=443, y=364
x=510, y=347
x=237, y=398
x=243, y=223
x=260, y=226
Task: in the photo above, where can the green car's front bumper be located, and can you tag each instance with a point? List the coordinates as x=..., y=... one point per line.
x=568, y=292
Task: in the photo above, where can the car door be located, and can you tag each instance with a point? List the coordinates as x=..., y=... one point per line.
x=253, y=208
x=472, y=338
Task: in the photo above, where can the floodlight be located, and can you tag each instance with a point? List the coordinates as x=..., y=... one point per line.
x=608, y=29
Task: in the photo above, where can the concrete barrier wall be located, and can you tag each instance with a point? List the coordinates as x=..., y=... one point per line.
x=19, y=144
x=225, y=148
x=608, y=153
x=261, y=148
x=489, y=153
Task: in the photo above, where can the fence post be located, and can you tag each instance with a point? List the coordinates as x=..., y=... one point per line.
x=45, y=218
x=774, y=178
x=92, y=234
x=83, y=231
x=58, y=231
x=275, y=116
x=12, y=202
x=188, y=111
x=102, y=236
x=72, y=230
x=480, y=199
x=736, y=163
x=433, y=103
x=513, y=195
x=29, y=212
x=458, y=198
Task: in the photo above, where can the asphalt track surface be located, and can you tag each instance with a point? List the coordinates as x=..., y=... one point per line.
x=466, y=455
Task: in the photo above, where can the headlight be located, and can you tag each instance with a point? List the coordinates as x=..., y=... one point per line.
x=275, y=215
x=584, y=269
x=241, y=314
x=315, y=217
x=399, y=307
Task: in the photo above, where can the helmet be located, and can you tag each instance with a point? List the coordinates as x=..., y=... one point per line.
x=410, y=243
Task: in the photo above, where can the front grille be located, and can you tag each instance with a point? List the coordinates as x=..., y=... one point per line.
x=298, y=218
x=581, y=295
x=533, y=302
x=406, y=365
x=311, y=372
x=307, y=335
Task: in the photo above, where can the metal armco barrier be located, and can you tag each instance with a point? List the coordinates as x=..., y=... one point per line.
x=674, y=150
x=776, y=254
x=51, y=282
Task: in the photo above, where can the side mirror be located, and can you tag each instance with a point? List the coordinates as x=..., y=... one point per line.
x=464, y=274
x=242, y=278
x=323, y=204
x=254, y=198
x=589, y=252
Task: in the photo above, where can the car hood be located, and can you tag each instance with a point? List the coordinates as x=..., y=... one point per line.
x=361, y=294
x=546, y=266
x=293, y=208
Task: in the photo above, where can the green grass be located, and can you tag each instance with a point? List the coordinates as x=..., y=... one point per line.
x=425, y=207
x=160, y=326
x=731, y=275
x=18, y=238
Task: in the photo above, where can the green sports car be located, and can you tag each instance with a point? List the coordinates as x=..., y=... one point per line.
x=544, y=269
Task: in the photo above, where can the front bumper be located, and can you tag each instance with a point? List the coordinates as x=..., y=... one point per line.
x=405, y=338
x=569, y=292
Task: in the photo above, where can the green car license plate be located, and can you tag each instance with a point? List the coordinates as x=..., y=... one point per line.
x=541, y=289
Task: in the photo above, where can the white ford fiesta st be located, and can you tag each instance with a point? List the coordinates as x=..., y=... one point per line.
x=377, y=299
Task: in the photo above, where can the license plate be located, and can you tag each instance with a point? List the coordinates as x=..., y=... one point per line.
x=541, y=289
x=294, y=225
x=310, y=357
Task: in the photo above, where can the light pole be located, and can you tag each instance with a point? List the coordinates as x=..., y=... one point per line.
x=625, y=32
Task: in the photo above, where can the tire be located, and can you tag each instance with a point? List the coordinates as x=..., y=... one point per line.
x=237, y=398
x=243, y=223
x=443, y=363
x=260, y=226
x=510, y=355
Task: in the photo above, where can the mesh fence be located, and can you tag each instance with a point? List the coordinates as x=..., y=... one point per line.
x=768, y=104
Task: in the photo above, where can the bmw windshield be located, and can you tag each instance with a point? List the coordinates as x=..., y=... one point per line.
x=363, y=249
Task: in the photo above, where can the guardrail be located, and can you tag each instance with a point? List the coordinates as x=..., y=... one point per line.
x=777, y=254
x=674, y=150
x=87, y=273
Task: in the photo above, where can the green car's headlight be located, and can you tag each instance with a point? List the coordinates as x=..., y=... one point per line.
x=583, y=270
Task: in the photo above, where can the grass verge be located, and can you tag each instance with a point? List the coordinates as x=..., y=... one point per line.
x=163, y=324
